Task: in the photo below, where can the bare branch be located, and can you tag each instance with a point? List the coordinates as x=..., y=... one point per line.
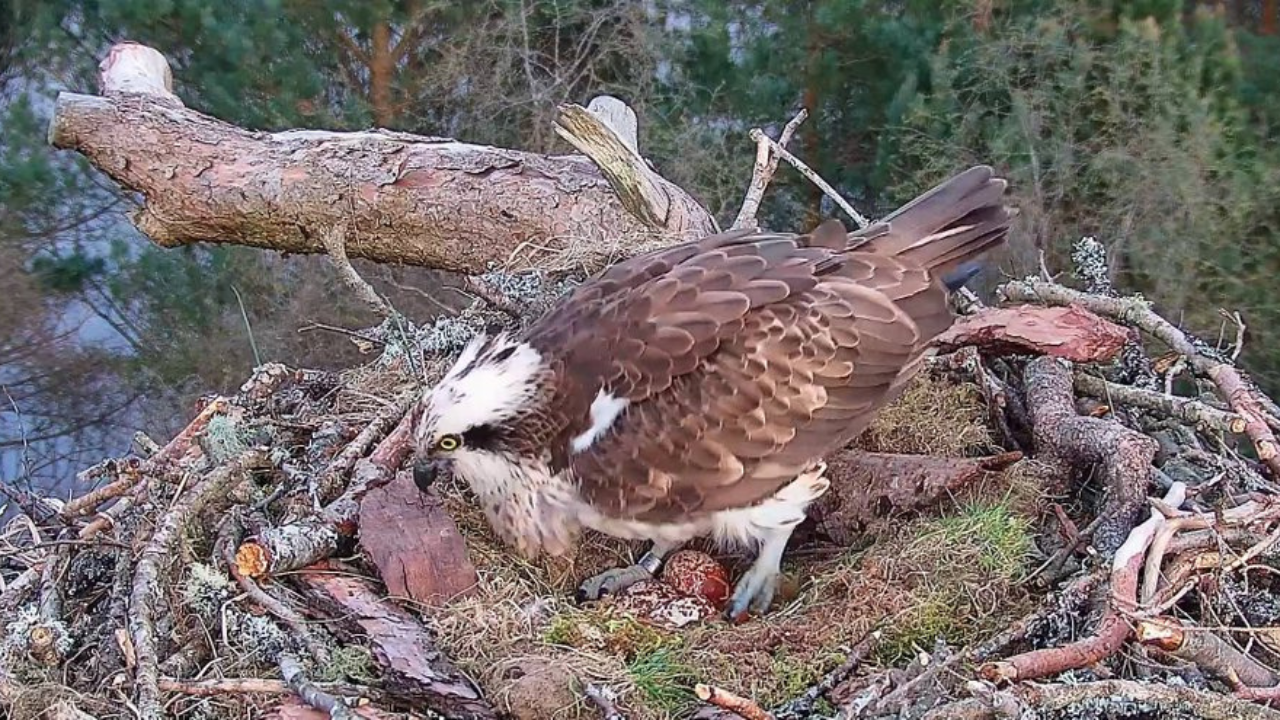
x=813, y=176
x=762, y=173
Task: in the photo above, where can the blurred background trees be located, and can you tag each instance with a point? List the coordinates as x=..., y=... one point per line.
x=1151, y=124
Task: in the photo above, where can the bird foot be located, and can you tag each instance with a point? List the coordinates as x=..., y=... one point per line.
x=612, y=582
x=754, y=592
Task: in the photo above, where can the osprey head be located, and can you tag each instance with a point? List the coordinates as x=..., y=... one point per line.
x=467, y=419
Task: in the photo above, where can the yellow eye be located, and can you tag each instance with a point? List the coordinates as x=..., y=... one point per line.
x=449, y=443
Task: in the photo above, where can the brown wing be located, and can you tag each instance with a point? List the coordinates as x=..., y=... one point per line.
x=747, y=355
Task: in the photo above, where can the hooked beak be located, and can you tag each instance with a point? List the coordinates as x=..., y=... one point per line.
x=425, y=472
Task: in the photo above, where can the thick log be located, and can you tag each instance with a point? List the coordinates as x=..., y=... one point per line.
x=1121, y=456
x=404, y=198
x=1071, y=333
x=866, y=487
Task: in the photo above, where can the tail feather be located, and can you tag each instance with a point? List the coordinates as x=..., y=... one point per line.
x=948, y=226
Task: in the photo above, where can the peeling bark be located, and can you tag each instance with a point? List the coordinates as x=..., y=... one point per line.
x=1071, y=333
x=429, y=564
x=409, y=199
x=413, y=668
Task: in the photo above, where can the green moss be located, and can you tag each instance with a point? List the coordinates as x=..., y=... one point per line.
x=794, y=675
x=939, y=614
x=664, y=679
x=348, y=662
x=957, y=560
x=621, y=636
x=993, y=535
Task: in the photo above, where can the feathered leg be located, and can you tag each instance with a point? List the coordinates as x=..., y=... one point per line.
x=773, y=529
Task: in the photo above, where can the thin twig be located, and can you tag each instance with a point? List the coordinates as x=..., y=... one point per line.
x=311, y=694
x=762, y=172
x=721, y=698
x=808, y=172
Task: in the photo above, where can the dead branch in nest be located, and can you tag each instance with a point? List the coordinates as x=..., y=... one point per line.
x=1122, y=456
x=249, y=686
x=142, y=601
x=274, y=606
x=721, y=698
x=413, y=669
x=294, y=676
x=306, y=541
x=763, y=171
x=1112, y=630
x=1231, y=385
x=869, y=486
x=1118, y=693
x=1184, y=409
x=171, y=455
x=332, y=480
x=1105, y=699
x=1205, y=650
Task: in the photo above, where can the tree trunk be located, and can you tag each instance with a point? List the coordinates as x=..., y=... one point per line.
x=426, y=201
x=382, y=66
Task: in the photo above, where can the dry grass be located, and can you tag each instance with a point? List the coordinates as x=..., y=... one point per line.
x=933, y=417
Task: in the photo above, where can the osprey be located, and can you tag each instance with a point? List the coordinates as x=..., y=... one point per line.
x=695, y=389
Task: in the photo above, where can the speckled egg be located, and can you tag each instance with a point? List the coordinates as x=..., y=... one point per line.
x=661, y=604
x=697, y=574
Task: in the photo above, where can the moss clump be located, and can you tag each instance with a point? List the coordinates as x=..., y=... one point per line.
x=990, y=534
x=348, y=662
x=963, y=568
x=664, y=679
x=622, y=636
x=796, y=673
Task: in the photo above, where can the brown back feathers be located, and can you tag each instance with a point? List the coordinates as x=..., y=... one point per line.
x=744, y=356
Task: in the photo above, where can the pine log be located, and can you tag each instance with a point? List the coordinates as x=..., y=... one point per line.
x=427, y=201
x=866, y=487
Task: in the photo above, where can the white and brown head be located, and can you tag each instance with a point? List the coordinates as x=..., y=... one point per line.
x=470, y=422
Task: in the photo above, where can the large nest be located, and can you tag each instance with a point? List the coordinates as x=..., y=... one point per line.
x=1007, y=537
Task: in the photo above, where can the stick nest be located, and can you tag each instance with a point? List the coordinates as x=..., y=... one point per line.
x=140, y=599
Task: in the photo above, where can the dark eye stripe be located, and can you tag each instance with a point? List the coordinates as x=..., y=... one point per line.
x=484, y=436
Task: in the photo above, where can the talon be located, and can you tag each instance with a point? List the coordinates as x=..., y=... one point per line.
x=611, y=582
x=754, y=593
